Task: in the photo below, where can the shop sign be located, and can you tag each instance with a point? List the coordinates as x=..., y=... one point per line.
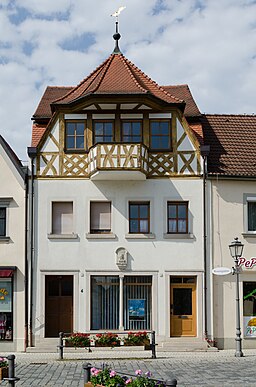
x=247, y=263
x=249, y=326
x=221, y=271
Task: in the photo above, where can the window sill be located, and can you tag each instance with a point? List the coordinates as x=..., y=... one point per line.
x=62, y=236
x=140, y=236
x=249, y=234
x=101, y=236
x=4, y=239
x=179, y=236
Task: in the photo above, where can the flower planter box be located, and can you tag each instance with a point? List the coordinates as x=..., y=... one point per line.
x=106, y=345
x=3, y=373
x=71, y=345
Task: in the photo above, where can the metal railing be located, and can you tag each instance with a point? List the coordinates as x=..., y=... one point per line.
x=87, y=376
x=62, y=336
x=12, y=379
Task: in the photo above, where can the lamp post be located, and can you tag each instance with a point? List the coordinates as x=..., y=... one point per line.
x=236, y=250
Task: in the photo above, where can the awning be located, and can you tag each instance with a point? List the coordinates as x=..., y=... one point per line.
x=6, y=271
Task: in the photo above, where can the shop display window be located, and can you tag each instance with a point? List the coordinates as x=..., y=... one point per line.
x=249, y=309
x=6, y=312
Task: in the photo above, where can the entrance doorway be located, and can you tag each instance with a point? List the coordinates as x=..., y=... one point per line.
x=58, y=304
x=183, y=306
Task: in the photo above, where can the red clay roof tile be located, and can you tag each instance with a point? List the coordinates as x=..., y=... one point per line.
x=231, y=139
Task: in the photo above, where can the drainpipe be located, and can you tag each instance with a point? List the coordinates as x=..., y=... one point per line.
x=32, y=151
x=26, y=258
x=205, y=150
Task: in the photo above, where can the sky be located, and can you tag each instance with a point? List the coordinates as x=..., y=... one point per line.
x=208, y=44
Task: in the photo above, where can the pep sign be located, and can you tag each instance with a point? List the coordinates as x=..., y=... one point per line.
x=247, y=263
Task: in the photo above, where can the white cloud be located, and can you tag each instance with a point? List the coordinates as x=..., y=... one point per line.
x=210, y=45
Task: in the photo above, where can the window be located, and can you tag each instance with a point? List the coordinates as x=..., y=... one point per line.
x=131, y=131
x=160, y=135
x=139, y=217
x=75, y=135
x=105, y=302
x=2, y=221
x=100, y=217
x=103, y=131
x=251, y=208
x=62, y=218
x=6, y=309
x=249, y=308
x=177, y=217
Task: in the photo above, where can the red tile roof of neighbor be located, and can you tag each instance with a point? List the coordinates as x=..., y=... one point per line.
x=37, y=134
x=232, y=140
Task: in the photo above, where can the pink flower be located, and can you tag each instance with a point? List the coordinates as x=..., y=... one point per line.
x=138, y=372
x=112, y=373
x=128, y=381
x=94, y=371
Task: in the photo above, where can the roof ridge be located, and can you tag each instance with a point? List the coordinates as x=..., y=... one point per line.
x=124, y=60
x=109, y=60
x=98, y=68
x=59, y=87
x=182, y=84
x=229, y=114
x=153, y=82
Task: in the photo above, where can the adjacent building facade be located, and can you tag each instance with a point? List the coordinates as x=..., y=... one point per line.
x=232, y=181
x=118, y=188
x=12, y=250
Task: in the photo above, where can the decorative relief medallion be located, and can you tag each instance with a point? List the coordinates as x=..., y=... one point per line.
x=121, y=258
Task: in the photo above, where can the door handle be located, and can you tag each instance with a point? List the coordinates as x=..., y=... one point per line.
x=183, y=317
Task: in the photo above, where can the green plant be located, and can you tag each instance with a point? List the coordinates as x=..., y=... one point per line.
x=107, y=339
x=3, y=362
x=79, y=339
x=136, y=338
x=109, y=378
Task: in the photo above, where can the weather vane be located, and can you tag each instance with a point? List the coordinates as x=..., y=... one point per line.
x=117, y=36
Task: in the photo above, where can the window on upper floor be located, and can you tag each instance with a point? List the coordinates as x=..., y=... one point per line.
x=62, y=218
x=177, y=217
x=75, y=136
x=251, y=211
x=131, y=131
x=160, y=135
x=2, y=221
x=103, y=131
x=100, y=217
x=139, y=217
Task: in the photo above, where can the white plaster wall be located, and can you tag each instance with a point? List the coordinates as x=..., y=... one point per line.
x=228, y=222
x=156, y=256
x=13, y=253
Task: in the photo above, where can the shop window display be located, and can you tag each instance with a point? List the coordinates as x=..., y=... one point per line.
x=5, y=309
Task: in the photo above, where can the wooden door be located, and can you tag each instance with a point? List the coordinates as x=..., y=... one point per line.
x=58, y=305
x=183, y=309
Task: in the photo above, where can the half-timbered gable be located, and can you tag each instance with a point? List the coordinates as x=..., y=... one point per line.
x=116, y=124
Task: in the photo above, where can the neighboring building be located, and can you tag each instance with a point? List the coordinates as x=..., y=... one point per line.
x=118, y=207
x=232, y=175
x=12, y=250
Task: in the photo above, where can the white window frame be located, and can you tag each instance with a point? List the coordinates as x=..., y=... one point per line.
x=5, y=203
x=71, y=235
x=248, y=198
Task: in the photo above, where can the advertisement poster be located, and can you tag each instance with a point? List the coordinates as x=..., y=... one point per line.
x=136, y=309
x=250, y=326
x=5, y=296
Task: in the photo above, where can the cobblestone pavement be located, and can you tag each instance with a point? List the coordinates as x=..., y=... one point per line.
x=189, y=368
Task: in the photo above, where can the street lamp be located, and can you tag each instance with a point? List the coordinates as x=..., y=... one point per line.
x=236, y=251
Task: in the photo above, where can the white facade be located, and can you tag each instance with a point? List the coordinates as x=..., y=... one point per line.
x=230, y=200
x=83, y=254
x=12, y=251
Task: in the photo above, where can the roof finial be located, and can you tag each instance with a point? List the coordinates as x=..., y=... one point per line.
x=117, y=36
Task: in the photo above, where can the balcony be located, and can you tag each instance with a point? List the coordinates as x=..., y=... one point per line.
x=118, y=162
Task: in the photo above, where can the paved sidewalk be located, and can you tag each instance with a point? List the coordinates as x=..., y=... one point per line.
x=189, y=368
